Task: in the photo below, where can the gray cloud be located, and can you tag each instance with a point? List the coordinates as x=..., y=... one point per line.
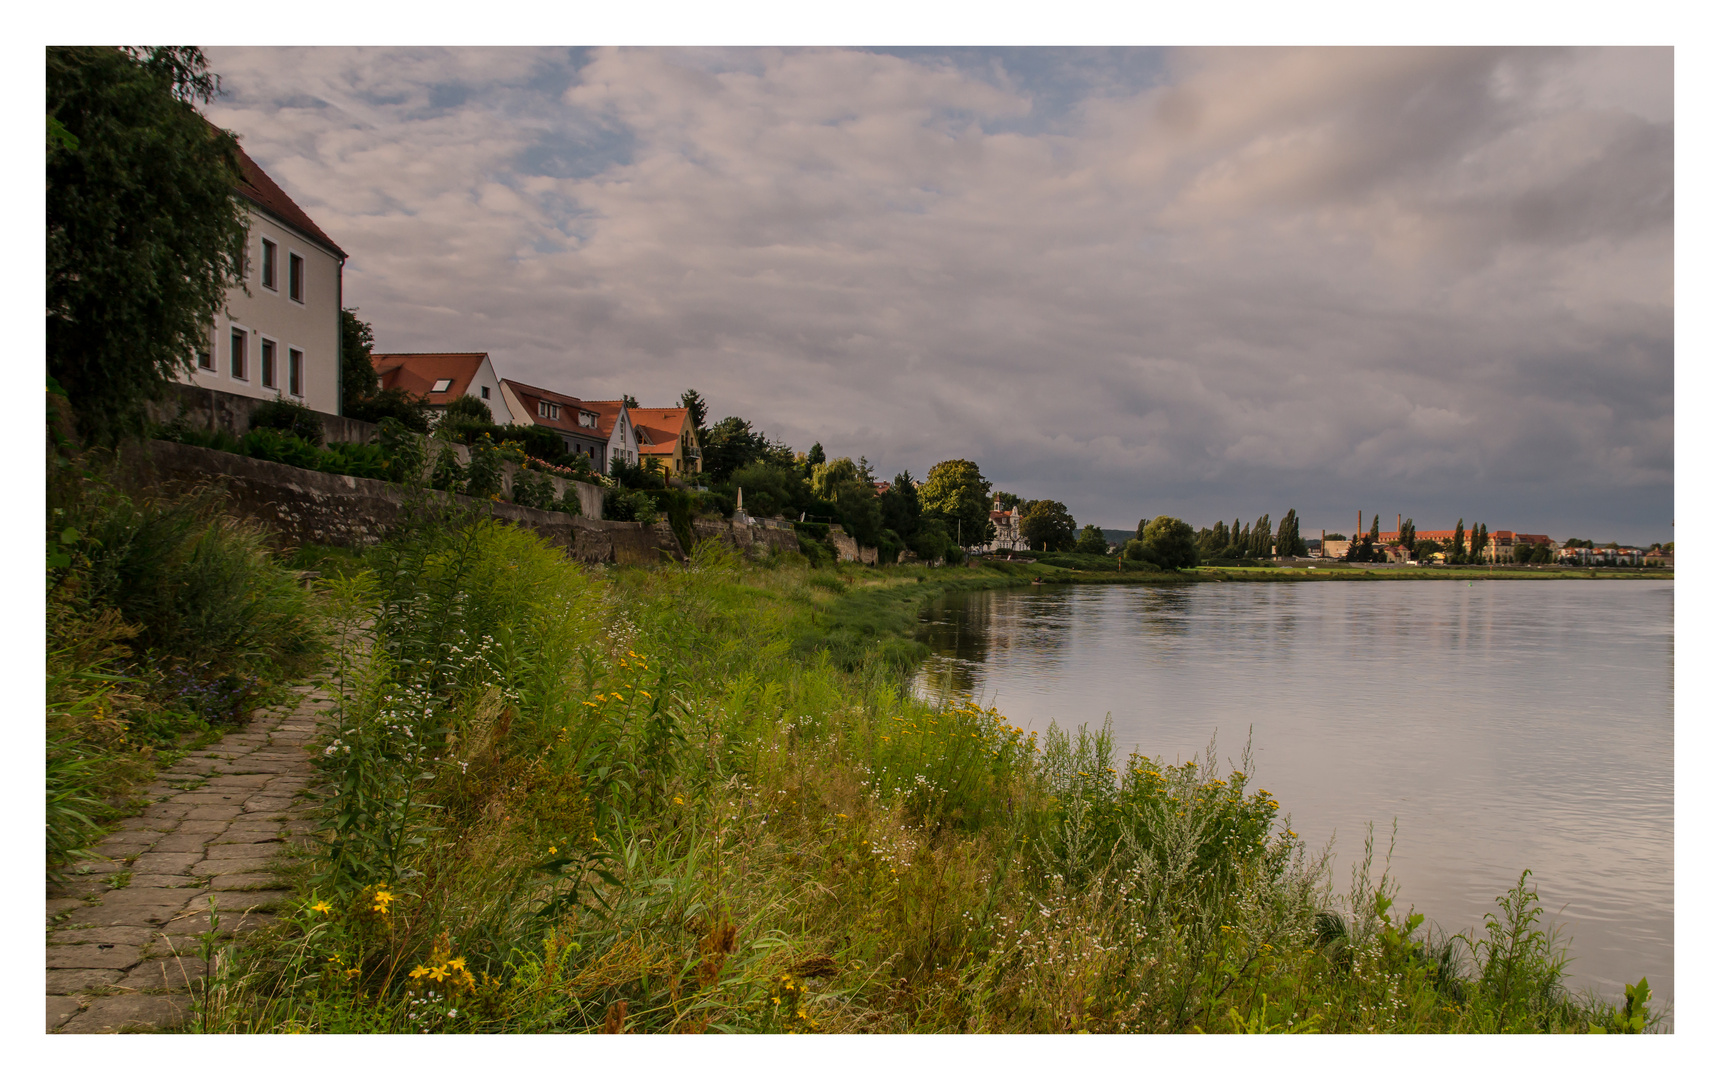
x=1208, y=283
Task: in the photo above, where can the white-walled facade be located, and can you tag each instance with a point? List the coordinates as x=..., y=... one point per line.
x=278, y=334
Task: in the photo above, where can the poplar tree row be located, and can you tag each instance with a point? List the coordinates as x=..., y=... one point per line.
x=1256, y=541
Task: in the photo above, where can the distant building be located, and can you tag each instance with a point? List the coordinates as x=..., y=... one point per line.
x=1007, y=525
x=443, y=378
x=566, y=416
x=669, y=437
x=615, y=425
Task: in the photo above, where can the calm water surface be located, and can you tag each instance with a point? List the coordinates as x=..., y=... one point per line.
x=1502, y=724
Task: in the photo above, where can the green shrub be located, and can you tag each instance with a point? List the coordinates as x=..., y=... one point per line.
x=394, y=404
x=196, y=583
x=484, y=471
x=676, y=505
x=356, y=459
x=403, y=450
x=625, y=504
x=268, y=444
x=291, y=417
x=532, y=488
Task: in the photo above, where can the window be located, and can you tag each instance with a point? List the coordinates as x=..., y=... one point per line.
x=295, y=373
x=295, y=277
x=484, y=392
x=268, y=264
x=267, y=348
x=587, y=419
x=205, y=360
x=440, y=386
x=236, y=354
x=549, y=409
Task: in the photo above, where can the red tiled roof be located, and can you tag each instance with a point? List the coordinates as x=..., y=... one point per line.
x=568, y=421
x=256, y=186
x=658, y=430
x=607, y=413
x=416, y=373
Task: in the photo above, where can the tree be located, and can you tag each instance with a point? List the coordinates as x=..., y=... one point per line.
x=1007, y=500
x=1477, y=541
x=630, y=401
x=1406, y=534
x=849, y=487
x=1169, y=542
x=1456, y=549
x=815, y=456
x=1260, y=538
x=145, y=231
x=357, y=374
x=956, y=494
x=1374, y=533
x=731, y=444
x=1092, y=541
x=900, y=505
x=467, y=408
x=1046, y=525
x=694, y=403
x=359, y=396
x=1289, y=537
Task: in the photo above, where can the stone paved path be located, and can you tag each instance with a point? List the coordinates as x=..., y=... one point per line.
x=122, y=931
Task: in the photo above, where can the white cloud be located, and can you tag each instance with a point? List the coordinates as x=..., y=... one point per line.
x=1250, y=277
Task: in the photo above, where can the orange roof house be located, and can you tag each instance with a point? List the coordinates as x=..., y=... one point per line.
x=443, y=378
x=567, y=416
x=668, y=436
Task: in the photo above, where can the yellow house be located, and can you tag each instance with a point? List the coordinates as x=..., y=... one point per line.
x=669, y=437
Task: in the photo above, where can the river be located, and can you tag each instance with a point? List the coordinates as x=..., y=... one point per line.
x=1503, y=725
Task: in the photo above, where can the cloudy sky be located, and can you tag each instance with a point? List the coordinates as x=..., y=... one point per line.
x=1207, y=283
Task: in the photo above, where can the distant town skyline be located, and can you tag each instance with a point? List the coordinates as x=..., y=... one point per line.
x=1208, y=283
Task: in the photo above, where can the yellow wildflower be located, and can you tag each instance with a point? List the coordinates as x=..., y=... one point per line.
x=552, y=849
x=321, y=906
x=678, y=801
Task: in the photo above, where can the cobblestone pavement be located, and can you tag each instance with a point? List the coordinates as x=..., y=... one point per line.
x=123, y=930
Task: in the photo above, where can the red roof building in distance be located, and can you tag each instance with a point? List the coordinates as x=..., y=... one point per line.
x=616, y=426
x=442, y=378
x=669, y=437
x=567, y=416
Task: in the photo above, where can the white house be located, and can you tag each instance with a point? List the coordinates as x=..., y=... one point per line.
x=1007, y=524
x=443, y=378
x=615, y=426
x=279, y=335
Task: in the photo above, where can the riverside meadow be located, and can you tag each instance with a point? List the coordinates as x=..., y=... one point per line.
x=701, y=797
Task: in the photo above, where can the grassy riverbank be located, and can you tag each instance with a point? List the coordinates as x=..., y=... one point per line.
x=699, y=798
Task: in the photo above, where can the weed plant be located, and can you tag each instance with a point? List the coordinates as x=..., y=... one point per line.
x=167, y=621
x=700, y=798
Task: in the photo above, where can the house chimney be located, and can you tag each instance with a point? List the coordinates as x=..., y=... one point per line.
x=1400, y=524
x=1358, y=535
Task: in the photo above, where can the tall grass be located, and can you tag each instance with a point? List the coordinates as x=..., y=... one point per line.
x=699, y=799
x=166, y=620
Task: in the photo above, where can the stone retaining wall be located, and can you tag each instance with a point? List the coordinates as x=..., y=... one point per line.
x=763, y=535
x=849, y=549
x=308, y=507
x=217, y=410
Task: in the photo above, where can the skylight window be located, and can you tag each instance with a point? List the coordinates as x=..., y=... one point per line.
x=441, y=386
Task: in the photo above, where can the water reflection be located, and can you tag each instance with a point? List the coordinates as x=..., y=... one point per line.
x=1503, y=725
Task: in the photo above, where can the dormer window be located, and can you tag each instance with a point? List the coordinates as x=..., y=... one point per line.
x=441, y=386
x=587, y=419
x=549, y=410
